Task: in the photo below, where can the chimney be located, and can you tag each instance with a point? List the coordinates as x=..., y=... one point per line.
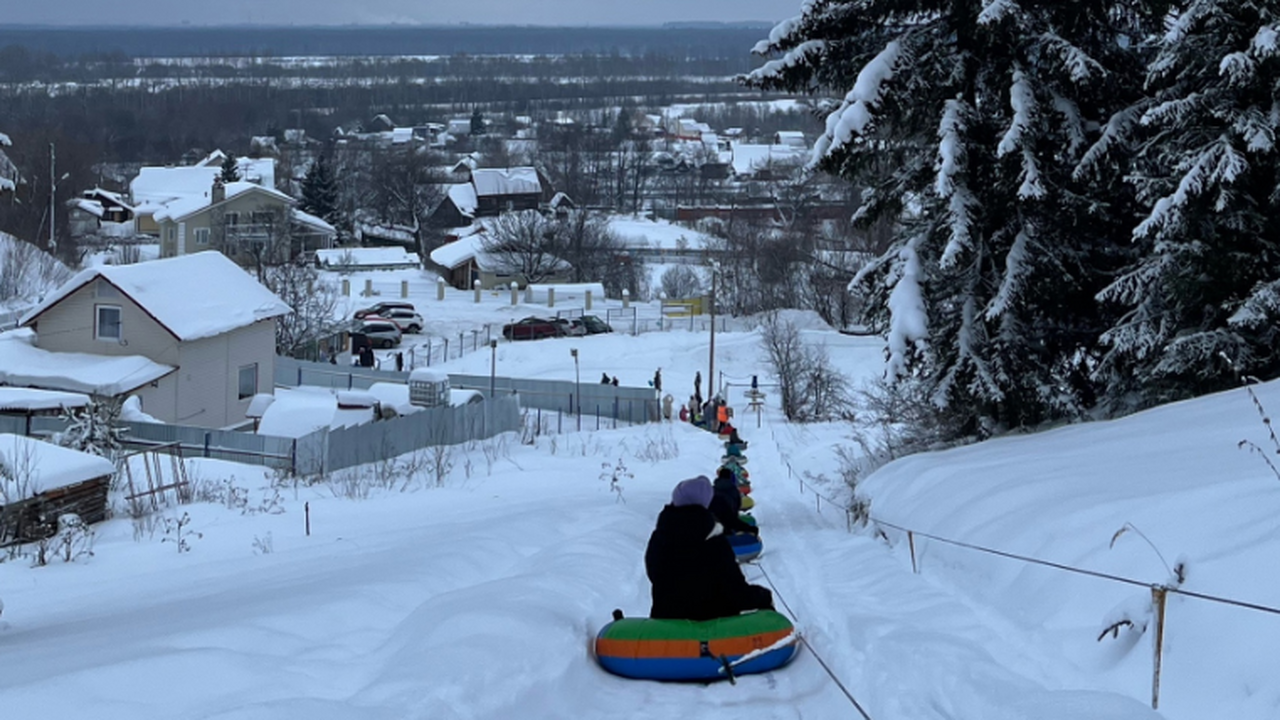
x=219, y=192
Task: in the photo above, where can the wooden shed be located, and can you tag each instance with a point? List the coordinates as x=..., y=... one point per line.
x=40, y=481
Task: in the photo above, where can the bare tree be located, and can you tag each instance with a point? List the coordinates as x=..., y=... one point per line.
x=527, y=243
x=811, y=388
x=681, y=281
x=314, y=304
x=404, y=189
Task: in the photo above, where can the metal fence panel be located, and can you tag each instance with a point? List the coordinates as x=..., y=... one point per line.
x=386, y=439
x=14, y=424
x=623, y=403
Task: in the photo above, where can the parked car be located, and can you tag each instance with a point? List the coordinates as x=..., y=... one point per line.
x=380, y=332
x=531, y=328
x=408, y=320
x=572, y=327
x=595, y=325
x=382, y=308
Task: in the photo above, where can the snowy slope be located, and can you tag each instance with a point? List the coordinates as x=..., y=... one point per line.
x=478, y=599
x=1175, y=474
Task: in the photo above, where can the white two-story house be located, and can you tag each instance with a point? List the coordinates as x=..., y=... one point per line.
x=201, y=316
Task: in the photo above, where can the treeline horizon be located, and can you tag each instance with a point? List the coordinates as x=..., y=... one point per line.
x=684, y=40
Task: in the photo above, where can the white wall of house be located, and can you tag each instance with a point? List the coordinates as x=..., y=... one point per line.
x=160, y=399
x=72, y=324
x=208, y=381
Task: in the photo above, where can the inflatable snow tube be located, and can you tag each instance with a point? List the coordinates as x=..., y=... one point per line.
x=746, y=547
x=732, y=450
x=733, y=460
x=647, y=649
x=744, y=488
x=748, y=518
x=747, y=502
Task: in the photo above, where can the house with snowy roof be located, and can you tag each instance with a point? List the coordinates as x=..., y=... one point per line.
x=192, y=337
x=491, y=192
x=466, y=257
x=155, y=187
x=243, y=220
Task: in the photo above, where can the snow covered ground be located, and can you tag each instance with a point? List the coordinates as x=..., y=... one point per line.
x=478, y=599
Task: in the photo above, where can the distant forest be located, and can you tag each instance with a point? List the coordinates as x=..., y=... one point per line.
x=681, y=41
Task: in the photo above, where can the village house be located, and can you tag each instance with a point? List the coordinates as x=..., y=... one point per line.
x=463, y=260
x=243, y=220
x=156, y=187
x=192, y=337
x=491, y=192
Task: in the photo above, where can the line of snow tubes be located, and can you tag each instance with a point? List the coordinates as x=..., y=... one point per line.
x=707, y=650
x=697, y=651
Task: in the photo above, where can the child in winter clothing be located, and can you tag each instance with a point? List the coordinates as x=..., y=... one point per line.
x=691, y=565
x=726, y=504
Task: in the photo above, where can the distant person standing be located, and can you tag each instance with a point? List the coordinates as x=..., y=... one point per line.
x=657, y=380
x=399, y=362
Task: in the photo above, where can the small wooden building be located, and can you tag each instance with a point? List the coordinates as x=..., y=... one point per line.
x=40, y=482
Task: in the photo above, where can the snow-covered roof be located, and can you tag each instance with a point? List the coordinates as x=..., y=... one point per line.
x=636, y=233
x=509, y=181
x=35, y=466
x=183, y=207
x=228, y=297
x=464, y=197
x=25, y=365
x=364, y=257
x=400, y=136
x=20, y=399
x=315, y=223
x=457, y=253
x=162, y=184
x=158, y=185
x=90, y=206
x=115, y=197
x=399, y=233
x=747, y=158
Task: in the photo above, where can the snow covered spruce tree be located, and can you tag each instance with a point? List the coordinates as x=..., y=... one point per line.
x=1208, y=283
x=8, y=171
x=985, y=130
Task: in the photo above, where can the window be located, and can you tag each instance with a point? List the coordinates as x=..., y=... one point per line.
x=248, y=381
x=202, y=236
x=107, y=326
x=172, y=234
x=232, y=218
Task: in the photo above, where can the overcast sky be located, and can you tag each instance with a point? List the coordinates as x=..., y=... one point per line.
x=328, y=12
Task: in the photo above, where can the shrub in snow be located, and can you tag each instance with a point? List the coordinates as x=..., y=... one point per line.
x=95, y=430
x=178, y=532
x=614, y=474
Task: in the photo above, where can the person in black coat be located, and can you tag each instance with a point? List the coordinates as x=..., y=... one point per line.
x=691, y=565
x=726, y=504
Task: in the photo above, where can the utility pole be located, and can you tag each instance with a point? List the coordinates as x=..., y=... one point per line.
x=711, y=372
x=53, y=203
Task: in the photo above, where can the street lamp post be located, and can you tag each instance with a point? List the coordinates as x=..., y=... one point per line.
x=493, y=367
x=577, y=386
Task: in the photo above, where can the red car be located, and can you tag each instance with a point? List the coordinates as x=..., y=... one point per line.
x=531, y=328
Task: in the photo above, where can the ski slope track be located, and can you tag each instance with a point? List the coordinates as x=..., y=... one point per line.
x=480, y=599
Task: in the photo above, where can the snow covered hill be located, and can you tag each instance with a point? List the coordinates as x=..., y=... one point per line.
x=479, y=599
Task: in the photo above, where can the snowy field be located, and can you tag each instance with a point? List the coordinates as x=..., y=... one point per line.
x=478, y=598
